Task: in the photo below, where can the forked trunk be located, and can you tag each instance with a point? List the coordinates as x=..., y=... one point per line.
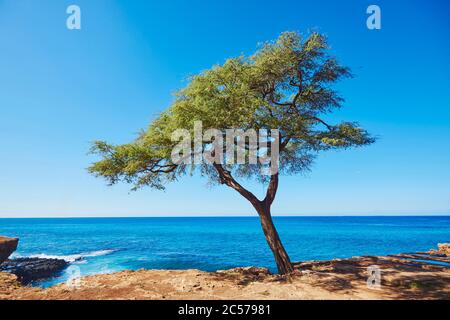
x=263, y=208
x=284, y=264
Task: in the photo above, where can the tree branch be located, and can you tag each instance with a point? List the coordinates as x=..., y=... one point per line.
x=271, y=189
x=329, y=127
x=227, y=179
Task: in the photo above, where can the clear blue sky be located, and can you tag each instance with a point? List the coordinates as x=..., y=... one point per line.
x=61, y=89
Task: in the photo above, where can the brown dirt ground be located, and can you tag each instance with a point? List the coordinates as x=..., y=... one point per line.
x=334, y=279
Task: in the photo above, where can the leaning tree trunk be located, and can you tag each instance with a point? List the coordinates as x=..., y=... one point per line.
x=263, y=208
x=282, y=260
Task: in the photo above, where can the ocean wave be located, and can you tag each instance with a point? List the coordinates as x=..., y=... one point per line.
x=72, y=258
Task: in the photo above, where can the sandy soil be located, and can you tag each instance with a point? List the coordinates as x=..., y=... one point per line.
x=335, y=279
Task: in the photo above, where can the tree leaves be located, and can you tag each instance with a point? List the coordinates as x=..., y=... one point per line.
x=286, y=85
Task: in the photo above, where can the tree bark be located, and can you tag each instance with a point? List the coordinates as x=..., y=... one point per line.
x=282, y=260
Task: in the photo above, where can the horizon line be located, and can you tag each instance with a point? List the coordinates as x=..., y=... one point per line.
x=231, y=216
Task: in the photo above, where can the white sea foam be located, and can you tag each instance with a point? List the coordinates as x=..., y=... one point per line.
x=78, y=258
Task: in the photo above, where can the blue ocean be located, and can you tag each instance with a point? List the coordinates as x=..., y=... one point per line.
x=104, y=245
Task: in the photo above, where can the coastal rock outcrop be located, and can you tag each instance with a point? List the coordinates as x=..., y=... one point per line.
x=31, y=269
x=443, y=250
x=7, y=247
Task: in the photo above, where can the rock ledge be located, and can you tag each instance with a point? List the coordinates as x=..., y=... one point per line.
x=7, y=247
x=31, y=269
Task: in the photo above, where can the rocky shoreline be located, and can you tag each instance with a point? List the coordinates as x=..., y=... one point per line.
x=27, y=269
x=421, y=275
x=334, y=279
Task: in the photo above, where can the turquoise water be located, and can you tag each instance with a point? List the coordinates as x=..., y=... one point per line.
x=103, y=245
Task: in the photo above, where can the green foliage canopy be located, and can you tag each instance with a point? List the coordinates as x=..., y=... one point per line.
x=286, y=85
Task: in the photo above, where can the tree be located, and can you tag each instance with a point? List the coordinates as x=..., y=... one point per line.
x=284, y=85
